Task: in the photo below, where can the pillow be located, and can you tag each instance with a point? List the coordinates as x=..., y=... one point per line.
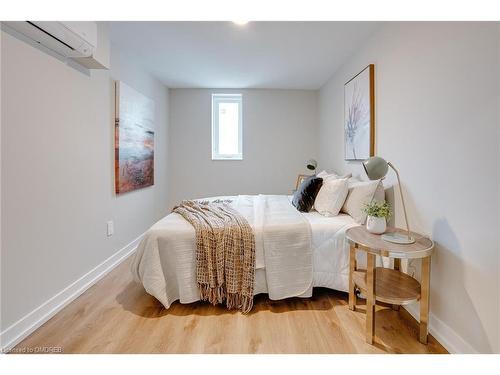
x=379, y=195
x=324, y=175
x=303, y=198
x=360, y=193
x=331, y=196
x=347, y=175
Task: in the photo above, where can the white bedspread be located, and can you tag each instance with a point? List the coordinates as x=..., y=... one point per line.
x=330, y=250
x=165, y=262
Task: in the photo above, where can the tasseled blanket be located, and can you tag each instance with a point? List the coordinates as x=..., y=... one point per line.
x=225, y=253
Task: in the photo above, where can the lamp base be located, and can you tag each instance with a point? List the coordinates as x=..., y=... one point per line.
x=398, y=238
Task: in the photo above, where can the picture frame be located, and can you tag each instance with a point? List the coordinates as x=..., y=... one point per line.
x=134, y=139
x=300, y=179
x=359, y=115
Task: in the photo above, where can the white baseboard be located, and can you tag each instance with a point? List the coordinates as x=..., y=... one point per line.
x=443, y=333
x=21, y=329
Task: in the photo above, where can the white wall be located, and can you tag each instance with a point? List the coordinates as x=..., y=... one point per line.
x=437, y=120
x=279, y=136
x=57, y=173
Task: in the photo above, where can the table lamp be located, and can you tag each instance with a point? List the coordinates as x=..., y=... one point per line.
x=312, y=164
x=376, y=168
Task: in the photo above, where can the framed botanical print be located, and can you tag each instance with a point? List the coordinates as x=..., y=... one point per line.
x=359, y=115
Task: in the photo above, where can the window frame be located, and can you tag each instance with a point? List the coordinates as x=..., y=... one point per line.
x=218, y=98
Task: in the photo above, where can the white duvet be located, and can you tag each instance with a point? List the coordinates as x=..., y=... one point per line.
x=294, y=251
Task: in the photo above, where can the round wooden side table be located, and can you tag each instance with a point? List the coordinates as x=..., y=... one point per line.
x=389, y=285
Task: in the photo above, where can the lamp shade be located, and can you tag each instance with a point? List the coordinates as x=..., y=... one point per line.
x=376, y=167
x=312, y=164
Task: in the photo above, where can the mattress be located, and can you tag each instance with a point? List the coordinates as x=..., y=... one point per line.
x=330, y=253
x=330, y=249
x=170, y=245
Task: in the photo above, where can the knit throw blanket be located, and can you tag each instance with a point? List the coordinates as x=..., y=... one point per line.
x=225, y=253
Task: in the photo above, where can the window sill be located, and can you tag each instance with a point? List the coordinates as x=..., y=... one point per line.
x=228, y=159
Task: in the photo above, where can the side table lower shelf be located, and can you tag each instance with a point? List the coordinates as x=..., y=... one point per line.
x=391, y=286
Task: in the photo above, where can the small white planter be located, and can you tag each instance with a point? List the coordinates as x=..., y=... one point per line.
x=376, y=225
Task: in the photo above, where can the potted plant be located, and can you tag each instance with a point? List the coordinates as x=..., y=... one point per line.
x=377, y=215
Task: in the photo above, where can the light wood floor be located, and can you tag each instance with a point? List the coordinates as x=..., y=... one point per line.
x=117, y=316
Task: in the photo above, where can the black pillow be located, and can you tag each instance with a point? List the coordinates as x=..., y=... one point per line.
x=303, y=198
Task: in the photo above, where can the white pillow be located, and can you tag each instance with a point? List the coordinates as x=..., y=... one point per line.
x=347, y=175
x=379, y=195
x=325, y=175
x=360, y=193
x=331, y=196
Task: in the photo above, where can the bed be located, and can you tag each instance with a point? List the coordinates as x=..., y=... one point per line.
x=165, y=261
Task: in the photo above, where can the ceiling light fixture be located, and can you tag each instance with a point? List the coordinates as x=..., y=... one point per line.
x=240, y=23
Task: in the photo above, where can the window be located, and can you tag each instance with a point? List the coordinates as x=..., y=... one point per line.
x=226, y=127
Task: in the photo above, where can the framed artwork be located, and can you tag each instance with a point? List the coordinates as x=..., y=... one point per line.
x=300, y=179
x=134, y=139
x=359, y=115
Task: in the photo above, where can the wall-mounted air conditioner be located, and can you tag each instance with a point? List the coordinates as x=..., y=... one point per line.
x=76, y=40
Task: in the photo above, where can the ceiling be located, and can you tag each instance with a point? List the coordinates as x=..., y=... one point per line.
x=280, y=55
